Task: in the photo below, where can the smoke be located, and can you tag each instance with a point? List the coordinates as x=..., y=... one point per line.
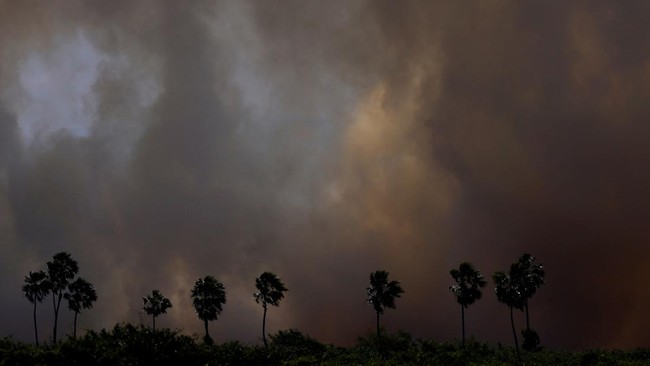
x=160, y=142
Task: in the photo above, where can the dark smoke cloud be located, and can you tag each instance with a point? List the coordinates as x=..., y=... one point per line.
x=159, y=142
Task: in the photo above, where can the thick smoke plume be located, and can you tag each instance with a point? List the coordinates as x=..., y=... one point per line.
x=159, y=142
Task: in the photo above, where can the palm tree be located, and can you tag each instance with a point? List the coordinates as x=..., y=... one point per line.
x=155, y=304
x=36, y=289
x=81, y=295
x=382, y=293
x=270, y=290
x=60, y=272
x=468, y=288
x=507, y=292
x=530, y=278
x=208, y=298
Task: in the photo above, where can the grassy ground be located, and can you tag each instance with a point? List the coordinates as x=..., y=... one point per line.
x=129, y=345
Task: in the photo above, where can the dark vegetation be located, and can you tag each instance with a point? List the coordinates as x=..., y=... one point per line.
x=126, y=344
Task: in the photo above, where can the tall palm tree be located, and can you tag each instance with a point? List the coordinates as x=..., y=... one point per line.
x=270, y=290
x=60, y=272
x=382, y=293
x=468, y=286
x=81, y=295
x=507, y=292
x=208, y=298
x=155, y=305
x=36, y=289
x=530, y=278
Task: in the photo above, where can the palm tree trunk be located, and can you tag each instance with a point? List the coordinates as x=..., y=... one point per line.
x=264, y=330
x=35, y=326
x=154, y=322
x=74, y=330
x=527, y=318
x=205, y=323
x=378, y=333
x=57, y=306
x=462, y=316
x=514, y=333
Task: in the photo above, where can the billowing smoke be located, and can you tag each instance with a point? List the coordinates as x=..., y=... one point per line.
x=159, y=142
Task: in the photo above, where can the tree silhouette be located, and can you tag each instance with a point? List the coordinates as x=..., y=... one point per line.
x=508, y=293
x=155, y=305
x=270, y=290
x=208, y=298
x=81, y=295
x=60, y=272
x=36, y=288
x=468, y=286
x=530, y=278
x=382, y=293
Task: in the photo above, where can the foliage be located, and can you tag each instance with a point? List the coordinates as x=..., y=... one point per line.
x=468, y=286
x=81, y=295
x=208, y=298
x=126, y=344
x=529, y=276
x=155, y=305
x=381, y=292
x=270, y=289
x=507, y=290
x=36, y=286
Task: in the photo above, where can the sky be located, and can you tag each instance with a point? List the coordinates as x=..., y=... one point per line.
x=162, y=141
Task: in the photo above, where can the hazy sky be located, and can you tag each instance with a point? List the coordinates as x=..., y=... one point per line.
x=162, y=141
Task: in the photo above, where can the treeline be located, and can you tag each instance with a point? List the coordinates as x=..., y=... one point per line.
x=514, y=288
x=128, y=345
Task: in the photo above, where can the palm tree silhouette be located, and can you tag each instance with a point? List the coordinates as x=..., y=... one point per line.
x=270, y=290
x=508, y=293
x=208, y=298
x=530, y=278
x=36, y=289
x=81, y=295
x=155, y=305
x=60, y=272
x=382, y=293
x=468, y=288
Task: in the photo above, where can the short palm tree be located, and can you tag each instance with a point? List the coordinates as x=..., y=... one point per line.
x=208, y=298
x=36, y=289
x=270, y=290
x=155, y=305
x=81, y=295
x=467, y=290
x=507, y=292
x=382, y=293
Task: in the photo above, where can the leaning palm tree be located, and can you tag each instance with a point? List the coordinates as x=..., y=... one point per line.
x=270, y=290
x=467, y=289
x=508, y=293
x=81, y=295
x=60, y=272
x=155, y=305
x=36, y=289
x=208, y=298
x=530, y=278
x=382, y=293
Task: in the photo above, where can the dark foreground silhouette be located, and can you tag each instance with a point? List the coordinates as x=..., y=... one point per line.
x=126, y=344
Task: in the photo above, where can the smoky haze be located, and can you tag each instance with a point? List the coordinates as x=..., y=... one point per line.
x=159, y=143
